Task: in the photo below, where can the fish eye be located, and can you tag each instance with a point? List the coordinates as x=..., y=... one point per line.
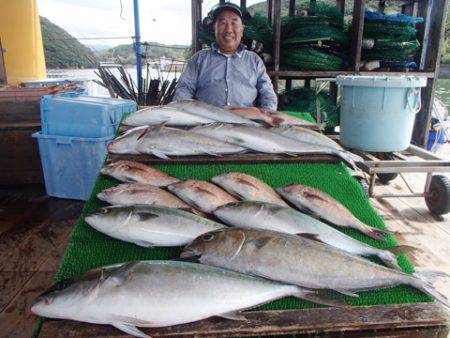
x=208, y=237
x=104, y=210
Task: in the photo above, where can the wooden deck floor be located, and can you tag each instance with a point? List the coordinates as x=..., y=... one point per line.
x=34, y=231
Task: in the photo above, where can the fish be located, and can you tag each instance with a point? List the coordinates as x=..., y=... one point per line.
x=158, y=294
x=169, y=116
x=325, y=207
x=255, y=114
x=128, y=194
x=307, y=135
x=202, y=195
x=163, y=142
x=150, y=226
x=135, y=172
x=265, y=141
x=297, y=260
x=247, y=187
x=290, y=120
x=210, y=111
x=126, y=143
x=260, y=215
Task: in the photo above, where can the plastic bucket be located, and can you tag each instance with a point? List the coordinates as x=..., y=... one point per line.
x=377, y=113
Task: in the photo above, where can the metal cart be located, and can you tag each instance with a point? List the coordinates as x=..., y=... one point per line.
x=387, y=166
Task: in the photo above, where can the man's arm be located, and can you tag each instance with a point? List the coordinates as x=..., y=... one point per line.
x=266, y=95
x=187, y=83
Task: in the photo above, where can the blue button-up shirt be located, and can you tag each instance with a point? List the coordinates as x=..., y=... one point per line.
x=236, y=80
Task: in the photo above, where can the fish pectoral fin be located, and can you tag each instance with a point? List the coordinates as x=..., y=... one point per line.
x=130, y=329
x=121, y=274
x=316, y=297
x=313, y=237
x=144, y=244
x=213, y=154
x=346, y=292
x=160, y=154
x=233, y=315
x=145, y=216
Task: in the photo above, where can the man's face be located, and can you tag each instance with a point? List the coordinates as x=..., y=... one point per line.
x=228, y=30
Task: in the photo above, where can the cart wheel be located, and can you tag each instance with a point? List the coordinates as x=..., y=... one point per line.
x=438, y=197
x=386, y=178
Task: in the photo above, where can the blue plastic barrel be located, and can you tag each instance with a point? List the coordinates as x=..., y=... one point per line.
x=71, y=164
x=378, y=112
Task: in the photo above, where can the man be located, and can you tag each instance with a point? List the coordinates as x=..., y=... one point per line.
x=227, y=74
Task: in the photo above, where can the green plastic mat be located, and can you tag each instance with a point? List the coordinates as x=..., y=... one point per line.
x=89, y=248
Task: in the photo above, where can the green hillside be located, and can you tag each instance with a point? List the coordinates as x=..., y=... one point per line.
x=62, y=50
x=125, y=53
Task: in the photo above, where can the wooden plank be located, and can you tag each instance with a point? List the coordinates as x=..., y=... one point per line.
x=16, y=320
x=21, y=163
x=11, y=282
x=3, y=79
x=357, y=33
x=312, y=321
x=238, y=158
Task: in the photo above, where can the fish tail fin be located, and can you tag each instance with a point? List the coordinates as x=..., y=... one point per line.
x=389, y=255
x=425, y=282
x=276, y=121
x=372, y=232
x=390, y=259
x=430, y=276
x=315, y=297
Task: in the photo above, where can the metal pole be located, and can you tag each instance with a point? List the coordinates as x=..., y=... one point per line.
x=137, y=37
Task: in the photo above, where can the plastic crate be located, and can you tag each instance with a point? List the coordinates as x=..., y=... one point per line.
x=71, y=164
x=82, y=116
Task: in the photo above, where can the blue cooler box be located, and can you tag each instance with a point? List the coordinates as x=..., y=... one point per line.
x=82, y=116
x=71, y=164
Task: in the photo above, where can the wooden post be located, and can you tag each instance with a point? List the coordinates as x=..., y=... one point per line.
x=243, y=4
x=196, y=15
x=410, y=9
x=341, y=6
x=269, y=11
x=307, y=83
x=291, y=7
x=2, y=66
x=333, y=92
x=431, y=61
x=277, y=38
x=424, y=11
x=291, y=13
x=357, y=33
x=313, y=6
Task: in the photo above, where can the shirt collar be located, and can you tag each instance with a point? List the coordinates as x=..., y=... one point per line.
x=239, y=51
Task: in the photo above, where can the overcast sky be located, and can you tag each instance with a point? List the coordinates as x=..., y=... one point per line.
x=167, y=21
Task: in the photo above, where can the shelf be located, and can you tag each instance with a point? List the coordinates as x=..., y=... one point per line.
x=290, y=74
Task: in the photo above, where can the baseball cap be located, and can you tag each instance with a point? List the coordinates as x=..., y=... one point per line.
x=226, y=6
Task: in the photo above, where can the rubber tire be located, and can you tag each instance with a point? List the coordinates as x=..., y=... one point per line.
x=386, y=178
x=438, y=199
